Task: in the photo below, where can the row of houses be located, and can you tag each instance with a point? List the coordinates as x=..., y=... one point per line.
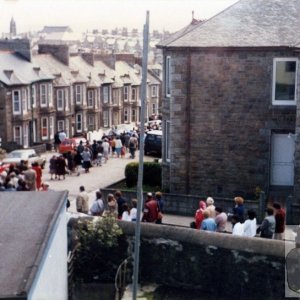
x=52, y=90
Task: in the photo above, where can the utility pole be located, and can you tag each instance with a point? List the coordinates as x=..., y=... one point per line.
x=141, y=161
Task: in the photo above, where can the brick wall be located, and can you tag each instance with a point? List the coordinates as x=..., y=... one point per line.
x=222, y=118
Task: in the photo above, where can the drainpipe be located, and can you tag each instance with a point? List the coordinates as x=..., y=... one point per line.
x=188, y=123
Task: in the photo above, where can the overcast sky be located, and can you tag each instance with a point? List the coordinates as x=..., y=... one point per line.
x=84, y=15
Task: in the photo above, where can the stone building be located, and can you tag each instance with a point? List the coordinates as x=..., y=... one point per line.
x=230, y=97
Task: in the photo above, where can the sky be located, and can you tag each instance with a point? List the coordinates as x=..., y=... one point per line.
x=83, y=15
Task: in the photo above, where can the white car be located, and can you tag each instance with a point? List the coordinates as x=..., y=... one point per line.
x=29, y=155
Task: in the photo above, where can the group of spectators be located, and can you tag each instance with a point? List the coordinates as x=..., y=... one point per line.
x=118, y=207
x=22, y=177
x=211, y=218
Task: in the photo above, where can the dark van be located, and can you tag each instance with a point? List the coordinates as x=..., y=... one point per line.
x=153, y=142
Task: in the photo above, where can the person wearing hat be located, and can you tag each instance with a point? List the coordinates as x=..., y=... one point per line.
x=210, y=207
x=151, y=209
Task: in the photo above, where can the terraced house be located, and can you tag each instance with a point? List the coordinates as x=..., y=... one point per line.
x=54, y=90
x=231, y=92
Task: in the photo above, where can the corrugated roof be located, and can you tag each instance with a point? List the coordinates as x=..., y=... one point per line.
x=27, y=220
x=15, y=70
x=247, y=23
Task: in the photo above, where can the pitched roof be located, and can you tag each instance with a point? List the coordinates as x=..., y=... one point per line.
x=247, y=23
x=15, y=70
x=27, y=221
x=50, y=29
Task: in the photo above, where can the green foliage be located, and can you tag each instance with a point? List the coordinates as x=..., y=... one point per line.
x=151, y=176
x=102, y=247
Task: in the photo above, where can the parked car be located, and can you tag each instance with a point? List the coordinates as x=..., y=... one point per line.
x=153, y=142
x=29, y=155
x=70, y=144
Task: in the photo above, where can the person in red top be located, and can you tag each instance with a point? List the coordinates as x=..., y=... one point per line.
x=150, y=210
x=39, y=173
x=280, y=221
x=199, y=214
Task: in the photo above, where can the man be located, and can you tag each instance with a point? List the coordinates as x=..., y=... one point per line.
x=133, y=143
x=208, y=223
x=82, y=201
x=150, y=210
x=30, y=178
x=267, y=227
x=221, y=219
x=97, y=208
x=121, y=201
x=280, y=221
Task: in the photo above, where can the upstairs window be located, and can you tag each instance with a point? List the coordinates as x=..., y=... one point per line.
x=105, y=94
x=60, y=99
x=133, y=94
x=168, y=76
x=78, y=94
x=44, y=125
x=284, y=81
x=125, y=92
x=167, y=155
x=16, y=102
x=154, y=91
x=125, y=116
x=91, y=98
x=44, y=95
x=33, y=96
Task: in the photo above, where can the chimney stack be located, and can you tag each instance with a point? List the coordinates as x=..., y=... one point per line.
x=61, y=52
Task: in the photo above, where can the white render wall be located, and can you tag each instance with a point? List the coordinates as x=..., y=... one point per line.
x=52, y=278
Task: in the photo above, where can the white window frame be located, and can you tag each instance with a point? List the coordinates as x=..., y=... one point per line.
x=133, y=115
x=79, y=123
x=105, y=94
x=43, y=95
x=67, y=99
x=105, y=118
x=16, y=101
x=24, y=100
x=50, y=94
x=284, y=102
x=125, y=115
x=67, y=128
x=78, y=94
x=167, y=147
x=28, y=92
x=153, y=91
x=44, y=128
x=18, y=139
x=60, y=99
x=168, y=76
x=126, y=92
x=115, y=96
x=91, y=122
x=51, y=127
x=91, y=98
x=60, y=125
x=33, y=96
x=25, y=135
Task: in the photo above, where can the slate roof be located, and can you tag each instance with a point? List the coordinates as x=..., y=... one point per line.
x=50, y=29
x=27, y=220
x=15, y=70
x=247, y=23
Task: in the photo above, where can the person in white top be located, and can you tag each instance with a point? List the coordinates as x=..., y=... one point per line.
x=133, y=211
x=105, y=146
x=250, y=224
x=210, y=207
x=125, y=214
x=238, y=225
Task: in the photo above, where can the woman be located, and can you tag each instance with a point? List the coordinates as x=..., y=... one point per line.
x=210, y=207
x=199, y=214
x=126, y=212
x=239, y=207
x=86, y=158
x=112, y=207
x=118, y=144
x=61, y=167
x=98, y=205
x=38, y=178
x=52, y=167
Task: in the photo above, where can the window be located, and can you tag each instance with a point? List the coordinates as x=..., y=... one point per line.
x=105, y=94
x=43, y=92
x=44, y=125
x=67, y=100
x=51, y=129
x=16, y=102
x=91, y=97
x=60, y=99
x=133, y=94
x=125, y=92
x=28, y=98
x=115, y=96
x=33, y=96
x=25, y=136
x=24, y=100
x=125, y=115
x=60, y=125
x=105, y=118
x=67, y=129
x=91, y=122
x=168, y=76
x=50, y=94
x=154, y=91
x=167, y=141
x=133, y=115
x=284, y=81
x=18, y=134
x=153, y=109
x=79, y=122
x=78, y=94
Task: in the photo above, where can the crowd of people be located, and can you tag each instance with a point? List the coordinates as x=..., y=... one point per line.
x=211, y=218
x=119, y=207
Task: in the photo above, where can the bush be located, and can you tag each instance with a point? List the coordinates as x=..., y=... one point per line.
x=151, y=176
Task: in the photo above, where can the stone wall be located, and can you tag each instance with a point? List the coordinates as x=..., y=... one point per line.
x=225, y=266
x=222, y=119
x=20, y=46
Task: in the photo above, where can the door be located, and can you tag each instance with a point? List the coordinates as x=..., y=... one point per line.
x=282, y=159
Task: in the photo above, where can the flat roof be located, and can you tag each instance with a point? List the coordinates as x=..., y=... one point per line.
x=27, y=220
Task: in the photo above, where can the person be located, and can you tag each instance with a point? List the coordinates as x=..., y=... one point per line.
x=126, y=212
x=95, y=151
x=44, y=187
x=118, y=146
x=56, y=141
x=250, y=224
x=39, y=174
x=30, y=178
x=239, y=207
x=86, y=159
x=150, y=212
x=61, y=167
x=133, y=211
x=160, y=203
x=267, y=227
x=82, y=201
x=133, y=142
x=77, y=161
x=280, y=221
x=121, y=201
x=220, y=219
x=210, y=207
x=52, y=167
x=208, y=222
x=199, y=217
x=22, y=187
x=97, y=207
x=112, y=207
x=113, y=146
x=237, y=225
x=105, y=146
x=62, y=136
